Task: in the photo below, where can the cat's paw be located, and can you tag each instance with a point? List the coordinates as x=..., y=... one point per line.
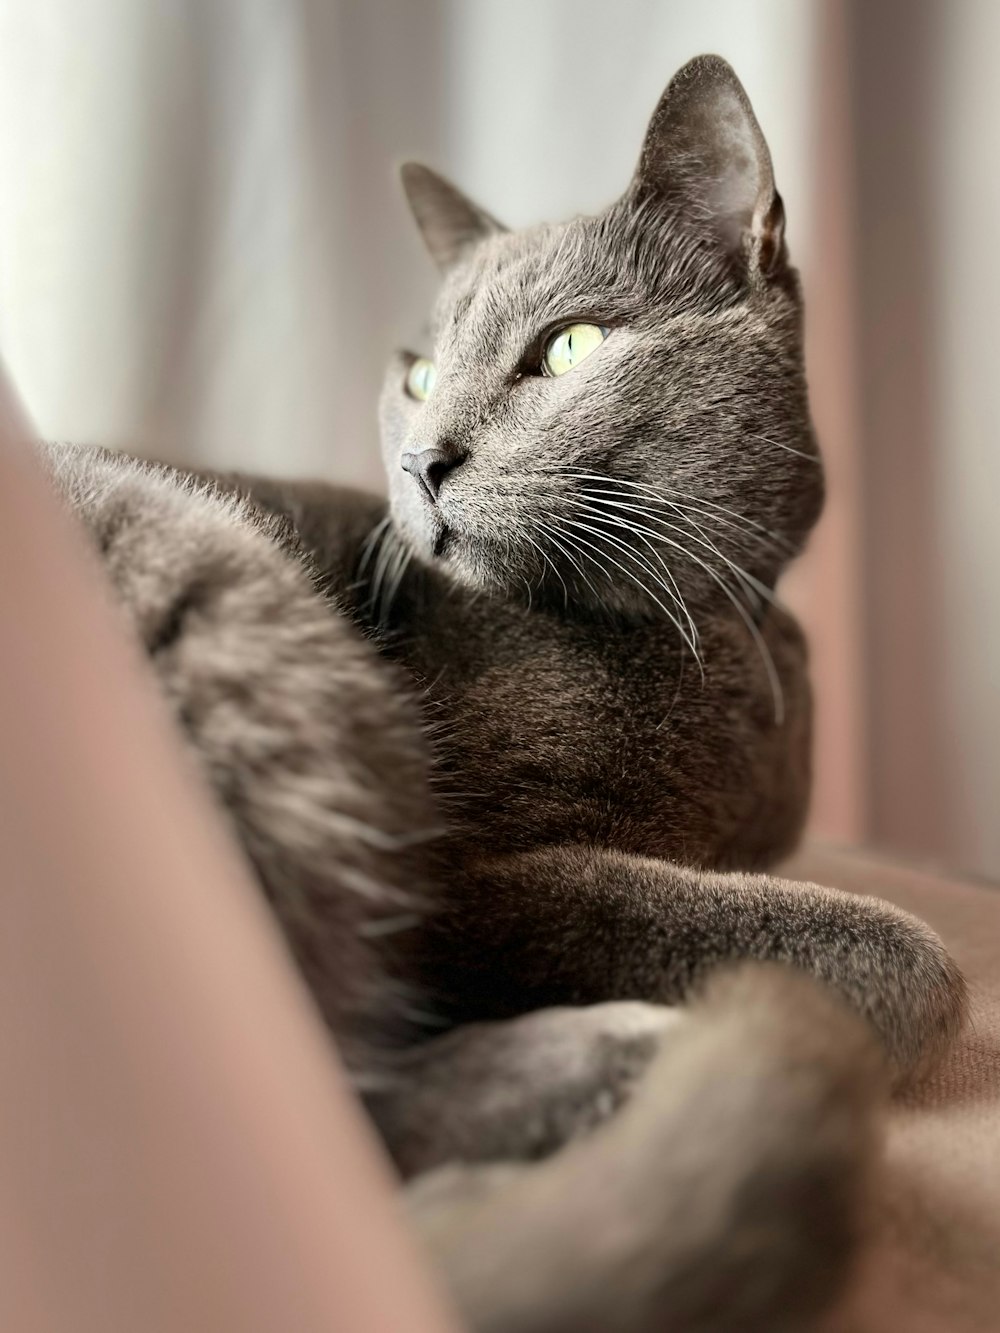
x=518, y=1088
x=896, y=970
x=925, y=998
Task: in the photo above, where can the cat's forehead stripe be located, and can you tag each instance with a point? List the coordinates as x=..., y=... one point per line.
x=518, y=283
x=513, y=287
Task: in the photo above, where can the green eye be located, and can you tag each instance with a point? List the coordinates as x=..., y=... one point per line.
x=420, y=379
x=570, y=345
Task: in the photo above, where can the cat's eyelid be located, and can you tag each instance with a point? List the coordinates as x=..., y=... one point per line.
x=566, y=322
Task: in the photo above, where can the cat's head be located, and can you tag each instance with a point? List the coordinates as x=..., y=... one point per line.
x=613, y=412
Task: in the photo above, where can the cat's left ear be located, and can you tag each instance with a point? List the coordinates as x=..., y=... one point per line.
x=450, y=223
x=705, y=150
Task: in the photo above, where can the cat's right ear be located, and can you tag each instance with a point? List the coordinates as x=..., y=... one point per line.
x=705, y=154
x=450, y=223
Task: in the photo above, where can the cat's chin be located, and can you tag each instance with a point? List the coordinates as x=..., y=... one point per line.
x=441, y=542
x=449, y=551
x=438, y=545
x=471, y=560
x=432, y=544
x=422, y=530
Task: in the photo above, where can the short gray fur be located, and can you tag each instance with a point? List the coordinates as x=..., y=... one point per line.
x=512, y=761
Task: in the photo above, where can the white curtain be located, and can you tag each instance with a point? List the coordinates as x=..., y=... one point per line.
x=204, y=253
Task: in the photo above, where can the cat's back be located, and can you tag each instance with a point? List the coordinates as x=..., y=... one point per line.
x=311, y=740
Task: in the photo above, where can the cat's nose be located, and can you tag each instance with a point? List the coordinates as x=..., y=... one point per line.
x=429, y=467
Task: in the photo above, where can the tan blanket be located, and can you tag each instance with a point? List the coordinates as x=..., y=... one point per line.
x=933, y=1263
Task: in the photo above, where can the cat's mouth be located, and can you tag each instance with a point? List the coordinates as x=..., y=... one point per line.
x=441, y=541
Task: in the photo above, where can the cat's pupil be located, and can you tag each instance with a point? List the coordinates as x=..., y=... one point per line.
x=571, y=346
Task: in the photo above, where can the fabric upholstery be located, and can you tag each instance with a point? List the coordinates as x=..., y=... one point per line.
x=933, y=1260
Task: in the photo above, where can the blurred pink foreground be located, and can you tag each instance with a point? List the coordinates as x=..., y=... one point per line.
x=178, y=1149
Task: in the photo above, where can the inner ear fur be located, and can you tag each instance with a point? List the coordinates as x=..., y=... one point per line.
x=704, y=152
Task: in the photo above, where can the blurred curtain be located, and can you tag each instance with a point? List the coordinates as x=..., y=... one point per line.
x=203, y=249
x=204, y=255
x=926, y=125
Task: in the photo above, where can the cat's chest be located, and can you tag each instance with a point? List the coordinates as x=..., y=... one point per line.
x=552, y=731
x=560, y=732
x=561, y=717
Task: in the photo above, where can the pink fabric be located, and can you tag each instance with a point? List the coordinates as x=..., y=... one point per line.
x=178, y=1150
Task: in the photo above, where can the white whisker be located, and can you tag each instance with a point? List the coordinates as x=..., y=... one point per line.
x=371, y=542
x=664, y=498
x=674, y=591
x=759, y=641
x=568, y=553
x=789, y=449
x=643, y=564
x=541, y=551
x=761, y=589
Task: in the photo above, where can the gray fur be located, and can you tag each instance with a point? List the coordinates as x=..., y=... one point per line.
x=571, y=658
x=528, y=1084
x=745, y=1157
x=452, y=225
x=310, y=740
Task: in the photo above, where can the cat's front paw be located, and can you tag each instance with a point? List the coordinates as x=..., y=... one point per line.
x=896, y=970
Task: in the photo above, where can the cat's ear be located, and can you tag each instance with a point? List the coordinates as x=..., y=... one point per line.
x=705, y=150
x=450, y=223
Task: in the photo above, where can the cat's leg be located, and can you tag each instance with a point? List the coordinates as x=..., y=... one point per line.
x=517, y=1088
x=334, y=525
x=729, y=1191
x=577, y=925
x=311, y=741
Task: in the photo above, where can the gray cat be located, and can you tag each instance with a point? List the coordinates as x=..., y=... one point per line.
x=512, y=756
